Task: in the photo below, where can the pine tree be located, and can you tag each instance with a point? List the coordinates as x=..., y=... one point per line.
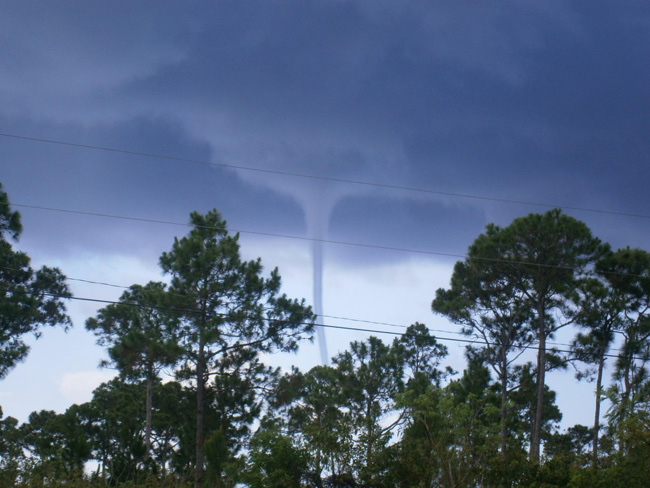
x=29, y=299
x=228, y=309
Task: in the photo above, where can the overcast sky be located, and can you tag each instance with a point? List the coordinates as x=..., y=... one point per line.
x=539, y=101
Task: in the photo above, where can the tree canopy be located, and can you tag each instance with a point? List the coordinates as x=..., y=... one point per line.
x=228, y=314
x=29, y=299
x=195, y=404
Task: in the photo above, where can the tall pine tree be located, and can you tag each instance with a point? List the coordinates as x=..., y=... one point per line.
x=228, y=307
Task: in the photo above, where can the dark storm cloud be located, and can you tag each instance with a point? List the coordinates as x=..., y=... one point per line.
x=127, y=185
x=420, y=225
x=325, y=68
x=536, y=101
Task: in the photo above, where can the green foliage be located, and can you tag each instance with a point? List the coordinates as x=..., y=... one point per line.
x=318, y=416
x=631, y=390
x=572, y=444
x=371, y=375
x=384, y=415
x=524, y=404
x=29, y=299
x=138, y=331
x=228, y=314
x=139, y=334
x=518, y=283
x=218, y=460
x=225, y=303
x=274, y=461
x=615, y=302
x=11, y=453
x=420, y=355
x=173, y=426
x=57, y=443
x=10, y=223
x=629, y=463
x=450, y=435
x=35, y=480
x=114, y=421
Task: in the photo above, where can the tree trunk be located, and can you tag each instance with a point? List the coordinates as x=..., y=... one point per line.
x=599, y=389
x=504, y=399
x=200, y=404
x=370, y=437
x=536, y=434
x=148, y=414
x=319, y=468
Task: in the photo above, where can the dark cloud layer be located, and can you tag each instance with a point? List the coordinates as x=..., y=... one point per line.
x=69, y=178
x=537, y=101
x=420, y=225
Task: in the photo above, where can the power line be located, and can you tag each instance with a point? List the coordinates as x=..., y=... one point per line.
x=241, y=231
x=325, y=241
x=326, y=326
x=321, y=177
x=335, y=317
